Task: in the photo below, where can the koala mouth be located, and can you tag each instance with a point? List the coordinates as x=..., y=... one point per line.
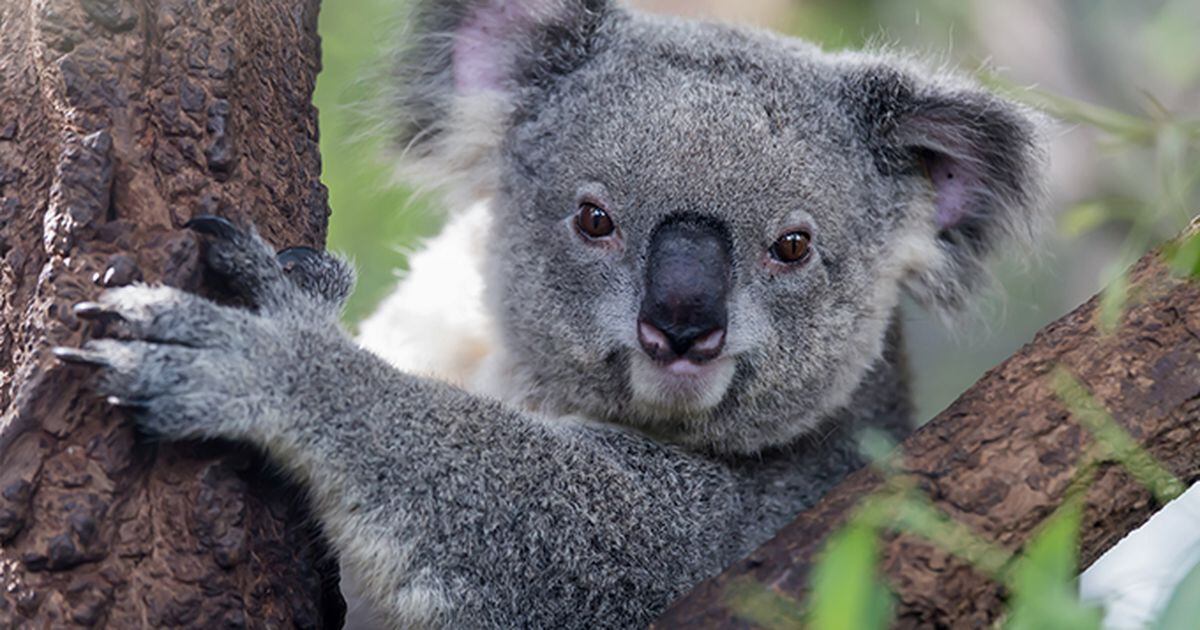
x=672, y=377
x=681, y=386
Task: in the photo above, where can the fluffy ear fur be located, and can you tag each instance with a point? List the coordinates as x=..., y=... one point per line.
x=468, y=67
x=978, y=158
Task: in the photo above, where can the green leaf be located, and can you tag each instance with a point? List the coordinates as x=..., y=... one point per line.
x=1112, y=302
x=751, y=601
x=1185, y=258
x=913, y=513
x=1115, y=440
x=846, y=590
x=1043, y=579
x=878, y=448
x=1084, y=218
x=1183, y=610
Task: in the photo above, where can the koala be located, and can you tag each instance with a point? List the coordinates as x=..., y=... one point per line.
x=680, y=305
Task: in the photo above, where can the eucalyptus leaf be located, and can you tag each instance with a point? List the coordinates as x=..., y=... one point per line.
x=1084, y=218
x=1043, y=580
x=1185, y=259
x=753, y=602
x=846, y=590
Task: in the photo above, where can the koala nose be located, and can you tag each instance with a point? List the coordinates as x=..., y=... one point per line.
x=684, y=310
x=665, y=347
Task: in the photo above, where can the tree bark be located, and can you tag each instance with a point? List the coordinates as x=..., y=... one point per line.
x=119, y=120
x=1002, y=458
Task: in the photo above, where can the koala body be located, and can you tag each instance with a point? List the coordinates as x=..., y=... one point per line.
x=690, y=254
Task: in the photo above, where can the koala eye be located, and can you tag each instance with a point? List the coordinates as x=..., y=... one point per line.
x=594, y=222
x=792, y=248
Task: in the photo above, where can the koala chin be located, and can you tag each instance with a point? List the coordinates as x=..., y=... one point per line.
x=680, y=389
x=646, y=341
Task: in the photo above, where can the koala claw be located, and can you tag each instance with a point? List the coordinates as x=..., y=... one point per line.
x=186, y=366
x=270, y=280
x=293, y=257
x=94, y=311
x=244, y=260
x=211, y=225
x=79, y=356
x=191, y=367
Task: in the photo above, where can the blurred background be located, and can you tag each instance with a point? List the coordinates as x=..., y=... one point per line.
x=1123, y=78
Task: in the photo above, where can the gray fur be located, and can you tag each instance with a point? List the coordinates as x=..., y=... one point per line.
x=456, y=510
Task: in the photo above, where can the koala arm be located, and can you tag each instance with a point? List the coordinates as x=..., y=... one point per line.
x=451, y=509
x=434, y=495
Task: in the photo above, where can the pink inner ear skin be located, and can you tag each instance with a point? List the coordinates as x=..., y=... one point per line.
x=480, y=58
x=953, y=186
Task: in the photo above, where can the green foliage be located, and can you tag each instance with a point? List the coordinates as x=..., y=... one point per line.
x=1112, y=302
x=1171, y=143
x=1154, y=151
x=846, y=590
x=763, y=607
x=826, y=22
x=901, y=507
x=1184, y=257
x=373, y=220
x=1092, y=215
x=1044, y=595
x=1116, y=443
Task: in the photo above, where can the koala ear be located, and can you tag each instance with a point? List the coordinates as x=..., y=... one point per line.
x=468, y=67
x=973, y=162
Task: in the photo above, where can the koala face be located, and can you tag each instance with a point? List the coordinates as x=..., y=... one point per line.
x=702, y=231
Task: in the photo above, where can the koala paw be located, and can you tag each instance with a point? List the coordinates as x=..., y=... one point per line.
x=267, y=280
x=187, y=367
x=319, y=274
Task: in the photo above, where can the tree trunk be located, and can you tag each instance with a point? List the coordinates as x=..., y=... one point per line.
x=1003, y=457
x=120, y=119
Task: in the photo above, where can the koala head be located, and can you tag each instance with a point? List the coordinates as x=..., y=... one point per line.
x=699, y=230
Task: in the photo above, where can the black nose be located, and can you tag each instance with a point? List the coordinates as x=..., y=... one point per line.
x=684, y=311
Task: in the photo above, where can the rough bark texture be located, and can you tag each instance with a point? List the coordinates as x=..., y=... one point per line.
x=1001, y=458
x=120, y=119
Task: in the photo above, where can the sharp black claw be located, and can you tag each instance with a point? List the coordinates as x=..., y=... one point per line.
x=77, y=356
x=293, y=256
x=96, y=312
x=210, y=225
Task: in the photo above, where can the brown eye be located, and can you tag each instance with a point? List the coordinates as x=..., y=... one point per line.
x=594, y=222
x=792, y=247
